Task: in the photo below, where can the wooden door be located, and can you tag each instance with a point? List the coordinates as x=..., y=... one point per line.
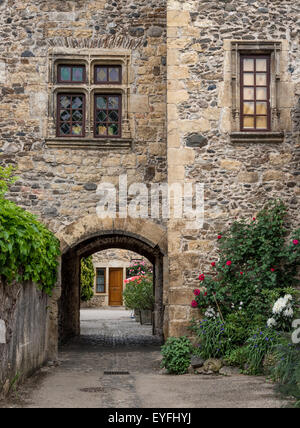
x=115, y=287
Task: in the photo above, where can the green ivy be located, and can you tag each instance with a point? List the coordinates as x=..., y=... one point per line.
x=28, y=250
x=87, y=277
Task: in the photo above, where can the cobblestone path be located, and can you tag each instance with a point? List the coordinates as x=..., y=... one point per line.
x=102, y=370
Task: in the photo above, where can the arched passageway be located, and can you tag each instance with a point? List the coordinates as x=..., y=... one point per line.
x=69, y=303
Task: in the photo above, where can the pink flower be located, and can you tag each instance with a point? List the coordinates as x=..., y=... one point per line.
x=197, y=292
x=213, y=264
x=295, y=242
x=194, y=304
x=229, y=263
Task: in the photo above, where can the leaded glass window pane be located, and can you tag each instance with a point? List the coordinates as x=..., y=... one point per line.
x=71, y=73
x=107, y=115
x=71, y=111
x=108, y=74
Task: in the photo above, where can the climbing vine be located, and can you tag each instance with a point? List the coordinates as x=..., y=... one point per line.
x=87, y=277
x=28, y=250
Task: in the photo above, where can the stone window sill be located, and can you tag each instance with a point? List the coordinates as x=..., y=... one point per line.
x=257, y=137
x=89, y=143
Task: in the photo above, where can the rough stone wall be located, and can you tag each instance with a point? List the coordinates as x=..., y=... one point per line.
x=110, y=258
x=115, y=256
x=59, y=185
x=238, y=177
x=24, y=327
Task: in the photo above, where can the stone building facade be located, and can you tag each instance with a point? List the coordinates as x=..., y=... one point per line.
x=180, y=104
x=104, y=262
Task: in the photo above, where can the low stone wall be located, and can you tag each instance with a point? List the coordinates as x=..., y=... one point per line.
x=95, y=302
x=23, y=332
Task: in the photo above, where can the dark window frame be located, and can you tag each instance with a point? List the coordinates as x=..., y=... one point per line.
x=96, y=291
x=108, y=82
x=242, y=99
x=72, y=66
x=96, y=110
x=59, y=109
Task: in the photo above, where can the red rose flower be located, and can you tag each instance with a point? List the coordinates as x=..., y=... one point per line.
x=295, y=242
x=272, y=270
x=254, y=218
x=197, y=292
x=205, y=294
x=194, y=304
x=242, y=273
x=229, y=263
x=213, y=264
x=202, y=277
x=220, y=237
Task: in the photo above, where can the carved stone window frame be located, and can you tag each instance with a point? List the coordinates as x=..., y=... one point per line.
x=238, y=48
x=89, y=58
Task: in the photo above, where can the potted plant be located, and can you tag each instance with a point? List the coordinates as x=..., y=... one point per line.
x=139, y=296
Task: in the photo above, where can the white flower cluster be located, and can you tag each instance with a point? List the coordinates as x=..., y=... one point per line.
x=282, y=309
x=240, y=306
x=271, y=322
x=211, y=313
x=283, y=306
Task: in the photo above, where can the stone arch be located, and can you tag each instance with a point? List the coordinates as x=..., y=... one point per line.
x=91, y=234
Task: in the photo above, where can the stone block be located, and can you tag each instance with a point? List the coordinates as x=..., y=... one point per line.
x=280, y=158
x=189, y=58
x=177, y=97
x=181, y=156
x=182, y=296
x=247, y=177
x=178, y=72
x=139, y=103
x=177, y=18
x=2, y=72
x=273, y=175
x=179, y=328
x=230, y=164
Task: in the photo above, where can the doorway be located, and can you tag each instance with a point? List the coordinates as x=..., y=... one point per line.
x=69, y=303
x=115, y=286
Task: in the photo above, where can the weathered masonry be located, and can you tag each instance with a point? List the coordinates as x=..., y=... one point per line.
x=162, y=92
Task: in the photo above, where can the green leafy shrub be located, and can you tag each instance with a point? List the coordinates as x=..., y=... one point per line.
x=239, y=326
x=138, y=293
x=287, y=370
x=87, y=276
x=254, y=261
x=176, y=355
x=236, y=357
